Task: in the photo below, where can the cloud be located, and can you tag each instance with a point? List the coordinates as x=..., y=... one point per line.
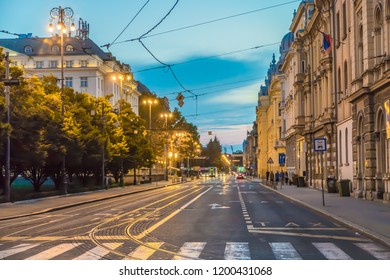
x=239, y=96
x=228, y=134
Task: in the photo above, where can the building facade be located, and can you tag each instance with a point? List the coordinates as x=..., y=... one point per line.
x=336, y=88
x=87, y=69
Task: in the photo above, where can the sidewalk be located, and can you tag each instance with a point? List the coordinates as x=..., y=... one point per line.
x=370, y=217
x=12, y=210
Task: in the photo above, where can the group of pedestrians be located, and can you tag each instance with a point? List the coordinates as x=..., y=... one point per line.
x=281, y=177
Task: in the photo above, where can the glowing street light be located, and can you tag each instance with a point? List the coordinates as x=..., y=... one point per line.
x=63, y=18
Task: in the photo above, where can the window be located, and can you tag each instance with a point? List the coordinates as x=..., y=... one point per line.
x=28, y=49
x=69, y=48
x=53, y=64
x=341, y=148
x=360, y=52
x=346, y=78
x=280, y=108
x=83, y=63
x=69, y=82
x=346, y=146
x=338, y=84
x=69, y=63
x=55, y=49
x=83, y=81
x=338, y=29
x=344, y=20
x=39, y=64
x=378, y=32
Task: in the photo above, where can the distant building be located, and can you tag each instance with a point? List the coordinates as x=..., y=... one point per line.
x=87, y=69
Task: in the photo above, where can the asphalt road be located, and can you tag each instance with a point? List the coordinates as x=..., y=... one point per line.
x=216, y=218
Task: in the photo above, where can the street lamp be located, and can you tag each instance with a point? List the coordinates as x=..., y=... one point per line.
x=127, y=77
x=121, y=78
x=166, y=116
x=63, y=18
x=150, y=102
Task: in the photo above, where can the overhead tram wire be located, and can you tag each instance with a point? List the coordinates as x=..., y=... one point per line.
x=131, y=21
x=208, y=22
x=159, y=61
x=207, y=57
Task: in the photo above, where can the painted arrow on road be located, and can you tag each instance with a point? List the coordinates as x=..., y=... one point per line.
x=217, y=206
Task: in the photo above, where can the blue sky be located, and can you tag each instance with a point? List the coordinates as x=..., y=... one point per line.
x=227, y=85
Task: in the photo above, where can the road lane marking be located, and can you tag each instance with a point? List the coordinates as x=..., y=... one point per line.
x=16, y=249
x=98, y=252
x=251, y=229
x=331, y=251
x=284, y=251
x=53, y=252
x=375, y=250
x=143, y=252
x=190, y=251
x=167, y=218
x=237, y=251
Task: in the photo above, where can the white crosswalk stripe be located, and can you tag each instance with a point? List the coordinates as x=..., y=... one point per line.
x=98, y=252
x=53, y=252
x=193, y=250
x=190, y=250
x=144, y=252
x=16, y=249
x=285, y=251
x=237, y=251
x=331, y=251
x=378, y=252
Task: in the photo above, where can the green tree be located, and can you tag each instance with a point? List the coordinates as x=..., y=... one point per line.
x=213, y=151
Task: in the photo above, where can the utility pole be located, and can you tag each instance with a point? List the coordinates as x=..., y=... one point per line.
x=7, y=187
x=103, y=147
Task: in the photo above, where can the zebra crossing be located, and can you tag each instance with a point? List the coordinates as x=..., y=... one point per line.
x=189, y=250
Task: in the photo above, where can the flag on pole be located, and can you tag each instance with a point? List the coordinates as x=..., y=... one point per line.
x=327, y=41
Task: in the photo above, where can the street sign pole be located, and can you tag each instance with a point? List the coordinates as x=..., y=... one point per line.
x=320, y=146
x=322, y=178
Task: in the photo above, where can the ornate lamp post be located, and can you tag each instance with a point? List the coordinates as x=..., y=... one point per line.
x=121, y=78
x=150, y=102
x=63, y=18
x=166, y=116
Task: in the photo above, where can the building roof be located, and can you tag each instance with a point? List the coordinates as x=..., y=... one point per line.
x=44, y=46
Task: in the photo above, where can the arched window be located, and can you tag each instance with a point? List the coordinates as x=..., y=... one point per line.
x=55, y=49
x=69, y=48
x=346, y=147
x=378, y=32
x=360, y=59
x=338, y=84
x=360, y=146
x=28, y=49
x=340, y=147
x=381, y=143
x=346, y=78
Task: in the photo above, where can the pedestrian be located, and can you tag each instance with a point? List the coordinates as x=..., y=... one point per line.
x=267, y=174
x=281, y=179
x=277, y=177
x=271, y=178
x=286, y=178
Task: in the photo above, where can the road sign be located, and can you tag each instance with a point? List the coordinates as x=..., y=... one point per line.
x=270, y=161
x=181, y=103
x=180, y=97
x=282, y=159
x=11, y=82
x=319, y=144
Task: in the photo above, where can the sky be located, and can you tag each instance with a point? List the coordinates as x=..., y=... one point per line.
x=210, y=45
